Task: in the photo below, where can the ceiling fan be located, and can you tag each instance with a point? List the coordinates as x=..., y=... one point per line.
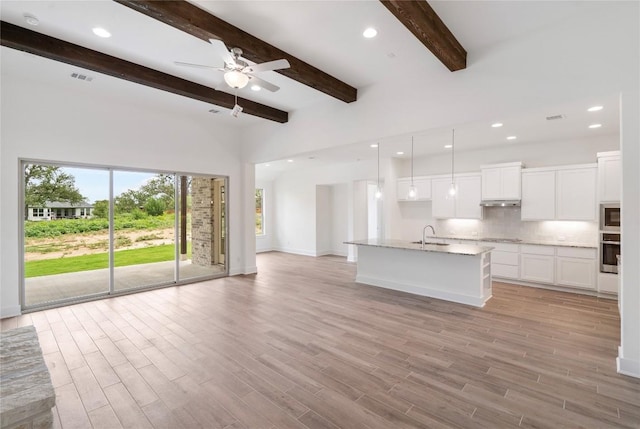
x=237, y=72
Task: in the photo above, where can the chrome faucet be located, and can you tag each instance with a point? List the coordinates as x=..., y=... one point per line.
x=424, y=234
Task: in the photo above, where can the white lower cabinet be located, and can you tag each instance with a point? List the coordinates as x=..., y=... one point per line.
x=576, y=267
x=576, y=272
x=537, y=263
x=505, y=260
x=536, y=268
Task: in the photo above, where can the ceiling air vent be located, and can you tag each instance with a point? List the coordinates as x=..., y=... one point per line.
x=81, y=77
x=554, y=117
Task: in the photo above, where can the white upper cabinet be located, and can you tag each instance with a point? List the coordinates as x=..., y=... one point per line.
x=442, y=207
x=576, y=194
x=468, y=198
x=566, y=193
x=422, y=184
x=466, y=203
x=501, y=181
x=538, y=195
x=609, y=177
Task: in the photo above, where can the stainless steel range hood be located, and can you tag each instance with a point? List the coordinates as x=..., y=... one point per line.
x=500, y=203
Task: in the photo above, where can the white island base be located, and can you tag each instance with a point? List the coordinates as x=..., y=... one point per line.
x=460, y=273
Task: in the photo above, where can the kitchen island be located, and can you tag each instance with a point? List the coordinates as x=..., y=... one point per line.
x=453, y=272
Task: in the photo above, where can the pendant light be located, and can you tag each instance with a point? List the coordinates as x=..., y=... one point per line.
x=378, y=190
x=413, y=192
x=453, y=189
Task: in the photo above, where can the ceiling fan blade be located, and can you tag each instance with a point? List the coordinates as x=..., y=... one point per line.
x=202, y=66
x=262, y=83
x=222, y=51
x=268, y=66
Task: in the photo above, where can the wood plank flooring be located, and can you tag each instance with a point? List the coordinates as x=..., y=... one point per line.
x=301, y=345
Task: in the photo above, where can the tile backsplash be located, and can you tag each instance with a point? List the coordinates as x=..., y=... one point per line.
x=504, y=222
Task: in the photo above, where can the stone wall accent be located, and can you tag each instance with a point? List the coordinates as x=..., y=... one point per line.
x=27, y=393
x=202, y=238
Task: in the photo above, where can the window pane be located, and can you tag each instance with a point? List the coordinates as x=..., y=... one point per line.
x=144, y=229
x=201, y=227
x=66, y=253
x=259, y=211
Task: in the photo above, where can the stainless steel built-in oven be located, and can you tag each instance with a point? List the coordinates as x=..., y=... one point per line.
x=609, y=251
x=610, y=217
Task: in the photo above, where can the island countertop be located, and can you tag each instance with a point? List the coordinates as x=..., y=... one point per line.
x=455, y=249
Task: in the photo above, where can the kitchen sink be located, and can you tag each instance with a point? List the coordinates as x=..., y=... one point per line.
x=430, y=242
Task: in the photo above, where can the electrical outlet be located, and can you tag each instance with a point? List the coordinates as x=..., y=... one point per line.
x=474, y=233
x=561, y=238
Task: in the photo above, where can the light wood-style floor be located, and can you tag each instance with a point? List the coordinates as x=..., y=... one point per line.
x=301, y=345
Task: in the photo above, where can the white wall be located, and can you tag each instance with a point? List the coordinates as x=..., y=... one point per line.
x=295, y=204
x=339, y=216
x=629, y=353
x=264, y=243
x=41, y=122
x=324, y=219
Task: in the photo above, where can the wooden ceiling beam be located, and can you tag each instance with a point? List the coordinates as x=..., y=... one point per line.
x=191, y=19
x=426, y=25
x=22, y=39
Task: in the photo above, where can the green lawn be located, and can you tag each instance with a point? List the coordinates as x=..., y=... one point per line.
x=123, y=258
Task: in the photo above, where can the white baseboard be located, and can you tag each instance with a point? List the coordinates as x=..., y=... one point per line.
x=243, y=270
x=270, y=249
x=627, y=366
x=10, y=311
x=339, y=253
x=419, y=290
x=295, y=251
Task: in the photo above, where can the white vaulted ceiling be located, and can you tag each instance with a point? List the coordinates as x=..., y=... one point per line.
x=402, y=88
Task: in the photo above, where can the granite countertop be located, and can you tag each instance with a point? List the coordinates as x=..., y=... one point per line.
x=516, y=241
x=454, y=249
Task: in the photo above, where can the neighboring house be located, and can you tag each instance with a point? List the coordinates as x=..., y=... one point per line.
x=60, y=210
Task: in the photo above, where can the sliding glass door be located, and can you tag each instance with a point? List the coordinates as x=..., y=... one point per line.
x=66, y=233
x=144, y=239
x=102, y=231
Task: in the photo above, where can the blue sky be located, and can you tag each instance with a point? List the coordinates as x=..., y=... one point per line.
x=94, y=183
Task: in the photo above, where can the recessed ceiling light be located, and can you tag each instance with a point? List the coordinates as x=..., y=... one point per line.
x=101, y=32
x=289, y=160
x=496, y=125
x=594, y=108
x=511, y=138
x=448, y=146
x=595, y=125
x=373, y=145
x=255, y=87
x=267, y=165
x=30, y=19
x=370, y=33
x=400, y=153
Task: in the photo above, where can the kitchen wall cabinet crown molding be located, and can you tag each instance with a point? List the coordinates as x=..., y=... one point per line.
x=609, y=177
x=501, y=181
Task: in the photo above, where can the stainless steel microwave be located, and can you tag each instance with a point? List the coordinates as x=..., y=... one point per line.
x=610, y=217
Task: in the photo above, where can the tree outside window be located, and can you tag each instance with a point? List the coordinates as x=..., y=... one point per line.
x=259, y=211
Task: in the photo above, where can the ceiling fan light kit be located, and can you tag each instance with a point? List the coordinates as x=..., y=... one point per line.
x=236, y=79
x=237, y=72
